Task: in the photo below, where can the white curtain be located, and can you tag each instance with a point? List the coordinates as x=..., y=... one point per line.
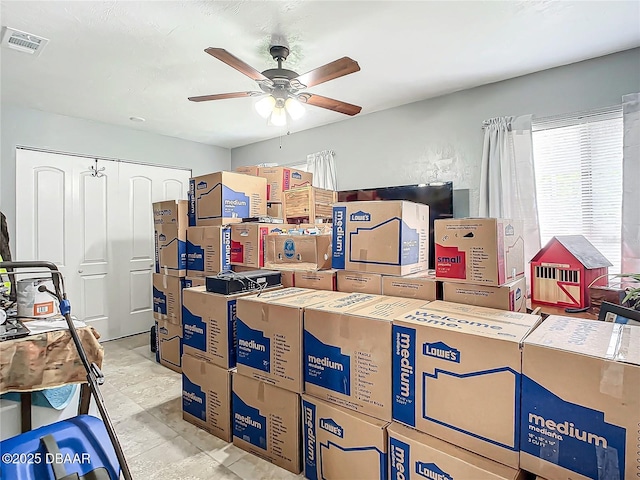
x=507, y=182
x=323, y=167
x=630, y=190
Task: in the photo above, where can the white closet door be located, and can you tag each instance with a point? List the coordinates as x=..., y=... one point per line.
x=140, y=185
x=62, y=216
x=98, y=230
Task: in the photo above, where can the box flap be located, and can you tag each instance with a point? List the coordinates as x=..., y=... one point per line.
x=609, y=341
x=463, y=323
x=504, y=316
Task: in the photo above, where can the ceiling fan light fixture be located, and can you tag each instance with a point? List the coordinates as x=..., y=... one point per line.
x=265, y=106
x=295, y=109
x=278, y=117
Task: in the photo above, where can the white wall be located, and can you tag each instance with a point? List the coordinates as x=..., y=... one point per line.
x=33, y=128
x=441, y=138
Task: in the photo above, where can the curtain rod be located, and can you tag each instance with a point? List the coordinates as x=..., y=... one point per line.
x=97, y=157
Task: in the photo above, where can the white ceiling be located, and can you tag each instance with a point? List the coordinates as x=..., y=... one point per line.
x=108, y=61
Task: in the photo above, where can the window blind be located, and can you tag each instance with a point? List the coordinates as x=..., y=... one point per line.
x=578, y=170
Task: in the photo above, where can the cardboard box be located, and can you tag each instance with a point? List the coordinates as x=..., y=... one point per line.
x=206, y=396
x=580, y=411
x=170, y=243
x=171, y=212
x=269, y=329
x=422, y=285
x=484, y=251
x=167, y=298
x=510, y=296
x=225, y=197
x=415, y=455
x=169, y=344
x=351, y=282
x=247, y=242
x=316, y=279
x=208, y=250
x=309, y=202
x=457, y=377
x=266, y=422
x=347, y=350
x=209, y=326
x=192, y=282
x=275, y=210
x=280, y=179
x=248, y=170
x=388, y=237
x=288, y=277
x=303, y=252
x=342, y=444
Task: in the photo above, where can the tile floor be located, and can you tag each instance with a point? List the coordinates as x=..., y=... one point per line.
x=144, y=401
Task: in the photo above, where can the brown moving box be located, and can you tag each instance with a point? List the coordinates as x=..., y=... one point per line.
x=316, y=279
x=206, y=396
x=389, y=237
x=280, y=179
x=275, y=210
x=169, y=344
x=581, y=400
x=347, y=349
x=248, y=170
x=510, y=296
x=193, y=282
x=301, y=252
x=167, y=298
x=226, y=197
x=266, y=422
x=342, y=444
x=171, y=212
x=170, y=222
x=247, y=242
x=209, y=325
x=170, y=243
x=456, y=376
x=309, y=202
x=414, y=456
x=208, y=250
x=421, y=285
x=269, y=329
x=484, y=251
x=351, y=282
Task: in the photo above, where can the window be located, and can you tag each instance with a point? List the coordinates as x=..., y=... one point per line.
x=578, y=169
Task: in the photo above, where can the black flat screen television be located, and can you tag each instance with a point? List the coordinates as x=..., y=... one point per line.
x=439, y=197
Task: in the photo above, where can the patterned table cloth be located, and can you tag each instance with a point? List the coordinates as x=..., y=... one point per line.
x=46, y=360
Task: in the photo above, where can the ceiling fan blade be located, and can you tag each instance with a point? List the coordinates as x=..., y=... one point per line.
x=338, y=68
x=330, y=104
x=222, y=96
x=233, y=61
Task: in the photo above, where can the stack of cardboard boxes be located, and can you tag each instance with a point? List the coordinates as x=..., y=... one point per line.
x=361, y=385
x=481, y=262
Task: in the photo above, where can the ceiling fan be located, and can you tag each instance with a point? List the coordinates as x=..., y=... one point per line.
x=282, y=88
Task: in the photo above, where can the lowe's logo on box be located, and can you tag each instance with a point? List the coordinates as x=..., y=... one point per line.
x=162, y=237
x=508, y=231
x=518, y=293
x=201, y=186
x=296, y=175
x=289, y=248
x=441, y=350
x=431, y=471
x=360, y=216
x=331, y=426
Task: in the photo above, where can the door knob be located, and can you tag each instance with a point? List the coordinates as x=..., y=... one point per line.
x=80, y=271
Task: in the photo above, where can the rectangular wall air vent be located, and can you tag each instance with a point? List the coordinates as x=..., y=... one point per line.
x=23, y=41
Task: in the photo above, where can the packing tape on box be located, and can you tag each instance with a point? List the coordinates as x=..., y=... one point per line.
x=203, y=368
x=164, y=280
x=260, y=391
x=612, y=376
x=265, y=313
